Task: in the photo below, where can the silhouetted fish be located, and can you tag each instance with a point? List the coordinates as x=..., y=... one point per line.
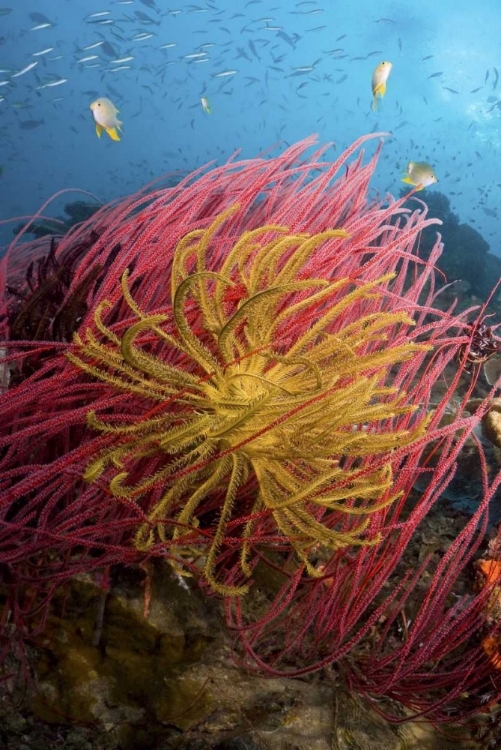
x=30, y=124
x=39, y=18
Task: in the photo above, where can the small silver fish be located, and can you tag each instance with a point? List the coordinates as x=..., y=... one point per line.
x=50, y=84
x=225, y=73
x=122, y=60
x=88, y=58
x=25, y=70
x=92, y=46
x=42, y=52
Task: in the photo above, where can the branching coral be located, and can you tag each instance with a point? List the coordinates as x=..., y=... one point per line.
x=258, y=398
x=246, y=403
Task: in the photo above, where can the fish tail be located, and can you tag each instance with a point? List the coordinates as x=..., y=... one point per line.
x=112, y=132
x=379, y=91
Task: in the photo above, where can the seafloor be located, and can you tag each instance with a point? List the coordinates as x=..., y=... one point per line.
x=107, y=678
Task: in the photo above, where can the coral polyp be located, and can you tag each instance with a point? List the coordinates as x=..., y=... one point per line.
x=240, y=403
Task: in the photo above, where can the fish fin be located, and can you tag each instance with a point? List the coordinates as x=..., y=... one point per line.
x=380, y=89
x=112, y=132
x=119, y=125
x=407, y=179
x=99, y=129
x=374, y=104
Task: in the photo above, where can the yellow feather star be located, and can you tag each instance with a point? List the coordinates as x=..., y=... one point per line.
x=241, y=409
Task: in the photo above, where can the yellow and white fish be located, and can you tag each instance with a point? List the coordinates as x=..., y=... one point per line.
x=419, y=174
x=105, y=117
x=206, y=105
x=379, y=78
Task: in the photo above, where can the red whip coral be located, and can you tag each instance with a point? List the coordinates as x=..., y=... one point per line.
x=250, y=380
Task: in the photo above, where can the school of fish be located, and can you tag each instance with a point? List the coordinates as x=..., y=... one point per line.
x=133, y=46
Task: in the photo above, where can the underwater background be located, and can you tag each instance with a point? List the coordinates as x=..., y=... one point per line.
x=272, y=73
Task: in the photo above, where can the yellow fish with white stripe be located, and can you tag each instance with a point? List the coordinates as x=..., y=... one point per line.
x=379, y=78
x=105, y=117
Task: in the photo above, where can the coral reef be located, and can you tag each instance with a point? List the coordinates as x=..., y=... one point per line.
x=249, y=392
x=466, y=253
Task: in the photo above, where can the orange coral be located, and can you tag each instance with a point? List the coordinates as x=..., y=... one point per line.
x=490, y=644
x=491, y=572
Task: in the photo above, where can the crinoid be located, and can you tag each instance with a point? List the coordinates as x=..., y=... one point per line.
x=252, y=401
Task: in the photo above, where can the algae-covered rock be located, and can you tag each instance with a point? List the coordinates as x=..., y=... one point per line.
x=135, y=670
x=79, y=211
x=44, y=227
x=123, y=670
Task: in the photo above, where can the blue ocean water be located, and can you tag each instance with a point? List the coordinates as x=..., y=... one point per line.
x=273, y=72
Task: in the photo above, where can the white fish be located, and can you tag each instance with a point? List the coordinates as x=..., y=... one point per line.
x=57, y=57
x=141, y=37
x=100, y=14
x=42, y=52
x=88, y=58
x=52, y=83
x=120, y=67
x=194, y=55
x=379, y=80
x=25, y=70
x=105, y=117
x=225, y=73
x=168, y=46
x=41, y=26
x=4, y=83
x=92, y=46
x=122, y=60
